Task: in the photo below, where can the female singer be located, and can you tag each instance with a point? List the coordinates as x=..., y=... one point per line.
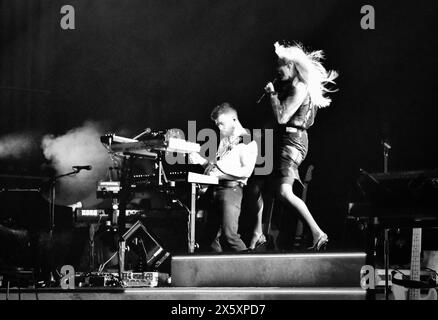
x=298, y=93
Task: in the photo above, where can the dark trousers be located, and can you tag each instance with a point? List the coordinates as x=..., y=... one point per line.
x=223, y=211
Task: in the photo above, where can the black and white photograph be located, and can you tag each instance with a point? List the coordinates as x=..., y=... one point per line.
x=233, y=152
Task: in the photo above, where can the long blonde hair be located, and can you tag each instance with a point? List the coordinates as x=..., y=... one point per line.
x=310, y=70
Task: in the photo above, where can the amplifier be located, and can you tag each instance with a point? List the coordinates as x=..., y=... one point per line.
x=95, y=215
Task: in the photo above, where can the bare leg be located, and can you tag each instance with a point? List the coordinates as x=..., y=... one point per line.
x=255, y=192
x=258, y=229
x=286, y=194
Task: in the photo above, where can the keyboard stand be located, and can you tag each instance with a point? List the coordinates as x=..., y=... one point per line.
x=194, y=179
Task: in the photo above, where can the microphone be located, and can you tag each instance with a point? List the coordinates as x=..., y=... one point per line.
x=386, y=144
x=146, y=131
x=264, y=94
x=79, y=168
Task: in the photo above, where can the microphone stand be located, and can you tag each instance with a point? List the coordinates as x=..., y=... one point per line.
x=386, y=148
x=52, y=197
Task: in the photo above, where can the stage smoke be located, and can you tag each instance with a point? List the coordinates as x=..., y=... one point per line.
x=17, y=145
x=79, y=146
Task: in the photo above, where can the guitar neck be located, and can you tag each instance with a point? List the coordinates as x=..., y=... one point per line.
x=414, y=294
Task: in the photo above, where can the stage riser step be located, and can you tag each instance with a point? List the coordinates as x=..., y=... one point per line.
x=268, y=270
x=192, y=294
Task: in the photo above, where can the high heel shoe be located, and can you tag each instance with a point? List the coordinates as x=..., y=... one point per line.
x=320, y=244
x=261, y=240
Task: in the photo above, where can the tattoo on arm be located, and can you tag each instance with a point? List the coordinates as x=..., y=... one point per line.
x=284, y=111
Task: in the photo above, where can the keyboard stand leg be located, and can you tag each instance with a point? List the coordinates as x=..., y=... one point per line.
x=192, y=219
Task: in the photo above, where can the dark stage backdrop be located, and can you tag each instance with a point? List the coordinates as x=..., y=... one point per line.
x=133, y=64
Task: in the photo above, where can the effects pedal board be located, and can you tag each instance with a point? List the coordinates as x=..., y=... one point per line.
x=97, y=279
x=144, y=279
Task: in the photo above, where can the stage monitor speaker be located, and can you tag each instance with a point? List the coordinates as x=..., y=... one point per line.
x=142, y=250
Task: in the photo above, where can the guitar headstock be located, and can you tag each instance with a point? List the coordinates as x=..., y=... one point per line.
x=308, y=176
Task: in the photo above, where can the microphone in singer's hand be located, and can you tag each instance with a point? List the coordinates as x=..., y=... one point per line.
x=264, y=94
x=79, y=168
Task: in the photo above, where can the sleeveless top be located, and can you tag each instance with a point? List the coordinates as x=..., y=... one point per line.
x=304, y=117
x=229, y=150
